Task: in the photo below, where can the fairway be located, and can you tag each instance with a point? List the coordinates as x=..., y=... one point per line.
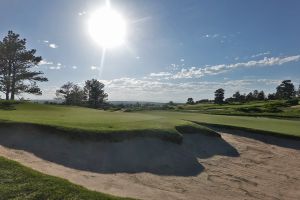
x=78, y=119
x=171, y=124
x=284, y=127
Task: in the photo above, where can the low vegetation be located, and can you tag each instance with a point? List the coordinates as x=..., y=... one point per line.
x=19, y=182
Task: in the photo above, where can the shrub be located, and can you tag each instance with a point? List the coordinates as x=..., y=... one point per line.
x=7, y=105
x=249, y=109
x=292, y=102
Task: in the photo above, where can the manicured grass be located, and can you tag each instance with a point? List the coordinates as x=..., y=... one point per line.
x=19, y=182
x=167, y=125
x=261, y=124
x=77, y=119
x=275, y=108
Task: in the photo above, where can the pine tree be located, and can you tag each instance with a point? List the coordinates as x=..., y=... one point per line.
x=94, y=90
x=219, y=96
x=16, y=67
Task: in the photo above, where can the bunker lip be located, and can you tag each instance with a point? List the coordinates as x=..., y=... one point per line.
x=175, y=136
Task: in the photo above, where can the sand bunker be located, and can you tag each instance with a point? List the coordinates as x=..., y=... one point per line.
x=203, y=167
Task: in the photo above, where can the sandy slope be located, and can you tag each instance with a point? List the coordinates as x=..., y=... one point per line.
x=203, y=167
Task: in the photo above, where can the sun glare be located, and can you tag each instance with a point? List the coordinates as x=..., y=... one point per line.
x=107, y=27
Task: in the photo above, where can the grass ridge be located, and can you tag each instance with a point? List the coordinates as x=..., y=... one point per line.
x=114, y=136
x=272, y=133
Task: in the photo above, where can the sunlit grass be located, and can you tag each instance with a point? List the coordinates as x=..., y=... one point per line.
x=19, y=182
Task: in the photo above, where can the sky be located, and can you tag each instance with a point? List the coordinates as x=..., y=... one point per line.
x=174, y=49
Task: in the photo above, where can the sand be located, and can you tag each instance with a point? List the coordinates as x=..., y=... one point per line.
x=239, y=165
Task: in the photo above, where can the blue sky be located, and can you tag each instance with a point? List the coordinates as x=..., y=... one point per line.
x=174, y=49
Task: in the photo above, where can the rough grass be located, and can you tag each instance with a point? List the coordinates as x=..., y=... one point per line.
x=91, y=123
x=259, y=124
x=19, y=182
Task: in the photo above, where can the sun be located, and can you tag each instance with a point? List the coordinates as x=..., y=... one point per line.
x=107, y=27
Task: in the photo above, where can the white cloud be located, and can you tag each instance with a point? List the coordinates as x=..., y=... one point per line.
x=212, y=35
x=194, y=72
x=74, y=67
x=49, y=44
x=53, y=46
x=160, y=74
x=152, y=90
x=55, y=67
x=45, y=62
x=82, y=13
x=144, y=90
x=94, y=67
x=182, y=60
x=260, y=54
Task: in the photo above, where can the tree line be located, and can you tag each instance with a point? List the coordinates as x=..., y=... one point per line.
x=286, y=90
x=91, y=95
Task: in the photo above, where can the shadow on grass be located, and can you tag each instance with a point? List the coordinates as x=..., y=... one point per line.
x=136, y=155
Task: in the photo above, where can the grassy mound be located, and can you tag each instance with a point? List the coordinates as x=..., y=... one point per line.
x=19, y=182
x=96, y=124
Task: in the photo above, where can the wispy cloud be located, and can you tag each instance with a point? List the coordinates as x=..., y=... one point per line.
x=45, y=62
x=160, y=74
x=58, y=66
x=94, y=67
x=195, y=72
x=53, y=46
x=260, y=54
x=49, y=44
x=211, y=35
x=132, y=88
x=141, y=20
x=55, y=67
x=82, y=13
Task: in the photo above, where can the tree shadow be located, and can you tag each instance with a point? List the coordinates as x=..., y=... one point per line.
x=130, y=156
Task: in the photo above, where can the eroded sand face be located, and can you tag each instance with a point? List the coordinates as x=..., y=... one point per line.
x=203, y=167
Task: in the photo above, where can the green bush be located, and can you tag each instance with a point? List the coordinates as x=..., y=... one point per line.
x=8, y=105
x=249, y=109
x=292, y=102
